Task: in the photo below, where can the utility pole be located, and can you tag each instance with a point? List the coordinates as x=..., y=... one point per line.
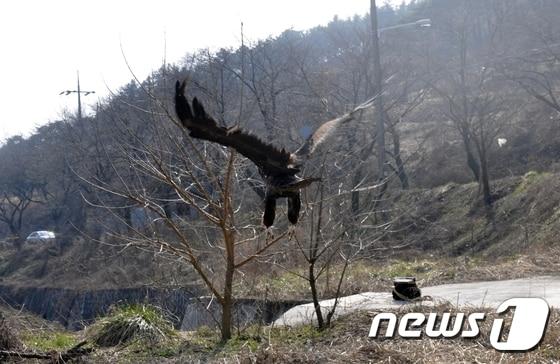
x=378, y=90
x=79, y=92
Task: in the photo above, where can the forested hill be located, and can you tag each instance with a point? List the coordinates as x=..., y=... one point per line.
x=469, y=98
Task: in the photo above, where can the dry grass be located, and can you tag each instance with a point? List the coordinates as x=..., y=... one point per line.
x=347, y=341
x=129, y=323
x=9, y=339
x=365, y=276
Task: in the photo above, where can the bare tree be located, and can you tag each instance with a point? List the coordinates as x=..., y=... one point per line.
x=204, y=178
x=470, y=91
x=19, y=186
x=333, y=241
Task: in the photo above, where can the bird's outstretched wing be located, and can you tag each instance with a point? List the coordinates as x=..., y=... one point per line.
x=326, y=129
x=270, y=159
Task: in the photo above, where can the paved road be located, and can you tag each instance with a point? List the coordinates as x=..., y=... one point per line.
x=488, y=293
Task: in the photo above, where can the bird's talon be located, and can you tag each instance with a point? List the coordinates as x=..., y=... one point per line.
x=291, y=231
x=269, y=234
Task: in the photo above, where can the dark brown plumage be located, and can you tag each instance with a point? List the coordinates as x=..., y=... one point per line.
x=278, y=167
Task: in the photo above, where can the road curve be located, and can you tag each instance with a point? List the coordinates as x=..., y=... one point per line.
x=486, y=293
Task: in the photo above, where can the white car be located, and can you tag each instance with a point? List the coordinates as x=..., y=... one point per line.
x=41, y=235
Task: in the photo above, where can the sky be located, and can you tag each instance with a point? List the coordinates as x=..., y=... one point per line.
x=45, y=43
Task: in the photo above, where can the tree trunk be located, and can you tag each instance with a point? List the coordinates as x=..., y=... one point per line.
x=484, y=179
x=13, y=229
x=226, y=318
x=227, y=309
x=486, y=186
x=471, y=160
x=15, y=232
x=315, y=296
x=227, y=303
x=401, y=173
x=355, y=196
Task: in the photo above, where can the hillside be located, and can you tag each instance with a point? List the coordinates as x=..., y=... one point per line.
x=434, y=229
x=236, y=183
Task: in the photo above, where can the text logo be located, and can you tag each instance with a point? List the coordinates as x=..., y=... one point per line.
x=525, y=332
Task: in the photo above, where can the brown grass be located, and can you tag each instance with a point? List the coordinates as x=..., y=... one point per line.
x=347, y=341
x=9, y=339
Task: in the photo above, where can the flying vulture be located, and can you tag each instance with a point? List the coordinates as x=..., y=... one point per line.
x=277, y=167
